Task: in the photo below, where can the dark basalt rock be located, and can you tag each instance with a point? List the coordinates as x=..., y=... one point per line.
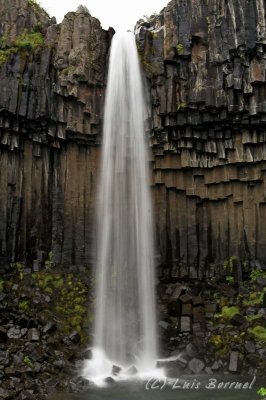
x=207, y=120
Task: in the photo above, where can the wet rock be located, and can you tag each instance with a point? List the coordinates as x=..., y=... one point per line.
x=171, y=368
x=6, y=394
x=4, y=357
x=60, y=364
x=178, y=290
x=198, y=314
x=109, y=380
x=238, y=320
x=3, y=335
x=116, y=370
x=33, y=335
x=74, y=337
x=185, y=324
x=261, y=281
x=250, y=347
x=187, y=309
x=50, y=327
x=191, y=350
x=14, y=333
x=174, y=308
x=216, y=366
x=164, y=324
x=182, y=360
x=234, y=361
x=185, y=298
x=197, y=300
x=196, y=365
x=132, y=370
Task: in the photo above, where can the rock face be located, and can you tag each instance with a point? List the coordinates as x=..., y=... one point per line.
x=52, y=80
x=205, y=62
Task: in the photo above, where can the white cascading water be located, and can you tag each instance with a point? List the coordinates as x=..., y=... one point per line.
x=125, y=328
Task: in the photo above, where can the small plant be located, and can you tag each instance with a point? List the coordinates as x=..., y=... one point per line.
x=255, y=274
x=181, y=106
x=230, y=279
x=228, y=312
x=254, y=317
x=29, y=40
x=49, y=264
x=259, y=332
x=180, y=49
x=23, y=305
x=254, y=299
x=27, y=361
x=1, y=285
x=20, y=269
x=262, y=392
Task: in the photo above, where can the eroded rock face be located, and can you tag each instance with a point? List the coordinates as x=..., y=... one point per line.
x=51, y=100
x=205, y=62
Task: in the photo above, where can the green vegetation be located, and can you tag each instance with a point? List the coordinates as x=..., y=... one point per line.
x=23, y=305
x=27, y=361
x=230, y=279
x=20, y=269
x=1, y=285
x=257, y=274
x=251, y=318
x=33, y=3
x=262, y=391
x=26, y=42
x=254, y=298
x=180, y=106
x=49, y=264
x=229, y=264
x=259, y=332
x=29, y=40
x=228, y=312
x=180, y=49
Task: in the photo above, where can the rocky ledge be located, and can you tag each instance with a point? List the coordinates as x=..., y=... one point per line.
x=217, y=326
x=45, y=320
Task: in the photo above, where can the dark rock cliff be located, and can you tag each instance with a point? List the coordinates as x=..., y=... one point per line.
x=205, y=64
x=205, y=61
x=52, y=80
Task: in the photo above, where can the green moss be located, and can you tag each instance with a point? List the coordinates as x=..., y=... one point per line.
x=257, y=274
x=254, y=299
x=230, y=280
x=251, y=318
x=259, y=332
x=262, y=392
x=3, y=40
x=23, y=305
x=19, y=269
x=29, y=40
x=27, y=361
x=229, y=264
x=180, y=106
x=180, y=49
x=4, y=55
x=228, y=312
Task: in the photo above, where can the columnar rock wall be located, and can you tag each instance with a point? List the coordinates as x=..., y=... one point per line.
x=205, y=61
x=52, y=82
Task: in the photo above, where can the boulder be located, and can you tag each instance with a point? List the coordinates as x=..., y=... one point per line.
x=196, y=365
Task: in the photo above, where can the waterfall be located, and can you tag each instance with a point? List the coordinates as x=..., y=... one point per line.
x=125, y=328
